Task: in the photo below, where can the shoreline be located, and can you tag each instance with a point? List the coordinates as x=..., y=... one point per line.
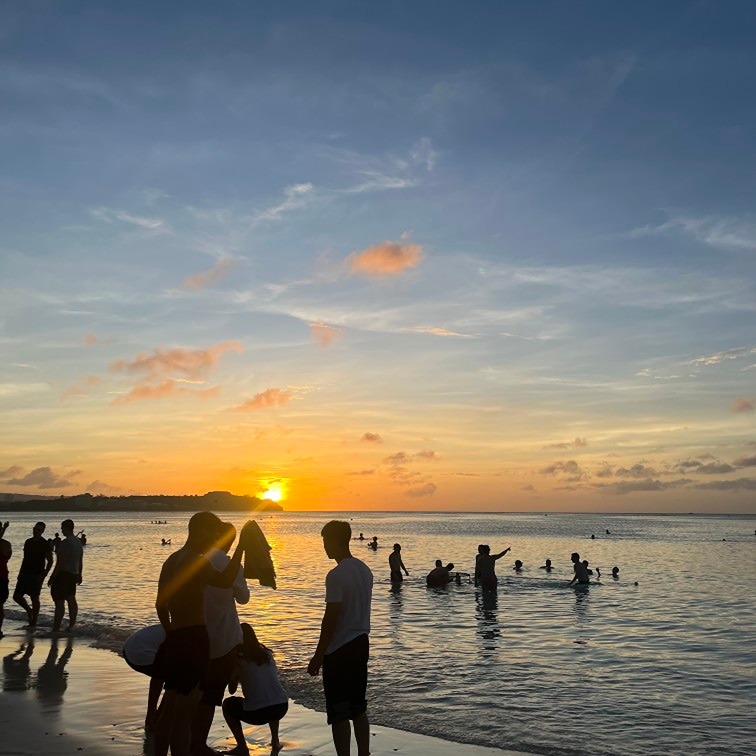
x=66, y=696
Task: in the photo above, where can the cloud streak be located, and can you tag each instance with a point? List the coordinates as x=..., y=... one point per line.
x=272, y=397
x=389, y=258
x=207, y=278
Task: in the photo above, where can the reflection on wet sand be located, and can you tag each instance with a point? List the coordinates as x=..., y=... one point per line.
x=52, y=677
x=16, y=668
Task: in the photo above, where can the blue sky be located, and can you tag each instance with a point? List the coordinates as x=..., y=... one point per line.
x=485, y=231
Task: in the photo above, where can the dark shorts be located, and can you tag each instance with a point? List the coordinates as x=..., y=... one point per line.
x=3, y=591
x=345, y=680
x=63, y=586
x=396, y=576
x=29, y=584
x=489, y=583
x=183, y=659
x=218, y=676
x=234, y=707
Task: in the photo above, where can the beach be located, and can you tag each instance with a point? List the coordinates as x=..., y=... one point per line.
x=67, y=697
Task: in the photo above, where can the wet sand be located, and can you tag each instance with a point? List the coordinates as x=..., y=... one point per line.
x=62, y=696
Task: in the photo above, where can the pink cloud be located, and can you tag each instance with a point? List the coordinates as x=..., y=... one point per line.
x=372, y=438
x=163, y=390
x=82, y=386
x=190, y=363
x=210, y=277
x=385, y=259
x=744, y=404
x=272, y=397
x=324, y=335
x=90, y=339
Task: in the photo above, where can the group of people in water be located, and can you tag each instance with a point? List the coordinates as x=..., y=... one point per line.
x=484, y=575
x=60, y=558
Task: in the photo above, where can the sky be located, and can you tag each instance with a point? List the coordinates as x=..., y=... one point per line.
x=394, y=256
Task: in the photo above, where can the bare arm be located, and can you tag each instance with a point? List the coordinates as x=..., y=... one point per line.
x=161, y=601
x=48, y=562
x=327, y=630
x=501, y=553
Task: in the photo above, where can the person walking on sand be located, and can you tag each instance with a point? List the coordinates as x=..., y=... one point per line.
x=6, y=552
x=264, y=700
x=37, y=561
x=66, y=575
x=183, y=659
x=343, y=648
x=225, y=634
x=396, y=564
x=485, y=567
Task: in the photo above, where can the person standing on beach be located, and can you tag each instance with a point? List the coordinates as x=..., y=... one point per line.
x=396, y=564
x=485, y=567
x=66, y=575
x=183, y=660
x=6, y=552
x=225, y=634
x=343, y=648
x=37, y=561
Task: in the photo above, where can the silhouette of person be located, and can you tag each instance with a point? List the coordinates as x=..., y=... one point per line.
x=38, y=558
x=485, y=567
x=396, y=564
x=343, y=647
x=52, y=677
x=6, y=552
x=547, y=566
x=183, y=659
x=361, y=538
x=374, y=543
x=581, y=571
x=225, y=635
x=439, y=575
x=615, y=573
x=517, y=566
x=66, y=575
x=264, y=700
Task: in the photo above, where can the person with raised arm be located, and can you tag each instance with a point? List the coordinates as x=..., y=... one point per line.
x=485, y=567
x=37, y=561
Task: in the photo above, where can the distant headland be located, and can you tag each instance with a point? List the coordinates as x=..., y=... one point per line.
x=221, y=501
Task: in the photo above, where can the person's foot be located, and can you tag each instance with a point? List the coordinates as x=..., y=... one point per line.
x=276, y=745
x=238, y=751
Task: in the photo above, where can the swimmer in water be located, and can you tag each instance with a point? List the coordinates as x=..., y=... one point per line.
x=546, y=566
x=374, y=543
x=615, y=573
x=517, y=566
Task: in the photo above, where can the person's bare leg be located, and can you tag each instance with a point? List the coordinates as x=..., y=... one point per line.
x=153, y=696
x=164, y=724
x=342, y=737
x=275, y=742
x=21, y=601
x=181, y=735
x=34, y=611
x=362, y=734
x=237, y=731
x=201, y=725
x=73, y=612
x=58, y=617
x=2, y=619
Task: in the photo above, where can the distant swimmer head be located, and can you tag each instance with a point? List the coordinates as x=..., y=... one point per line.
x=518, y=565
x=615, y=571
x=592, y=536
x=547, y=563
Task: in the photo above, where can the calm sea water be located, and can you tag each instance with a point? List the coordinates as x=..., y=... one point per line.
x=664, y=667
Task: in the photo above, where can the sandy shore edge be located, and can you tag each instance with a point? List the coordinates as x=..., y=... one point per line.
x=62, y=696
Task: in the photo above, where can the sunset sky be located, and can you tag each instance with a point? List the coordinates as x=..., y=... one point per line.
x=397, y=255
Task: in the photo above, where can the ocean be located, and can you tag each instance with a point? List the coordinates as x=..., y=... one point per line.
x=661, y=661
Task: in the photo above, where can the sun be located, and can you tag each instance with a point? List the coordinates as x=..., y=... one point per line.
x=274, y=493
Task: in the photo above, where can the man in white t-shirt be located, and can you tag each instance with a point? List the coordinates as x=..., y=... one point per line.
x=343, y=648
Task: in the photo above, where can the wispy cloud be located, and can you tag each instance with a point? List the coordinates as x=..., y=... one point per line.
x=217, y=273
x=82, y=387
x=745, y=461
x=189, y=363
x=434, y=331
x=717, y=358
x=576, y=443
x=371, y=438
x=295, y=197
x=741, y=484
x=91, y=339
x=426, y=490
x=272, y=397
x=163, y=390
x=110, y=215
x=389, y=258
x=570, y=469
x=721, y=232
